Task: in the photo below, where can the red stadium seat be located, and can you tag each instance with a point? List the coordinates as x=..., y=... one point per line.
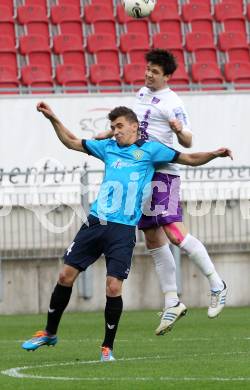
x=174, y=2
x=67, y=42
x=103, y=47
x=173, y=26
x=31, y=13
x=132, y=25
x=67, y=17
x=198, y=16
x=75, y=3
x=37, y=77
x=38, y=28
x=135, y=46
x=71, y=76
x=71, y=49
x=167, y=41
x=64, y=13
x=8, y=59
x=235, y=44
x=238, y=2
x=234, y=25
x=134, y=74
x=7, y=44
x=7, y=21
x=74, y=58
x=206, y=2
x=167, y=18
x=195, y=10
x=207, y=73
x=105, y=76
x=42, y=3
x=7, y=3
x=8, y=79
x=101, y=18
x=35, y=19
x=6, y=13
x=179, y=81
x=36, y=48
x=202, y=46
x=108, y=3
x=238, y=73
x=231, y=15
x=7, y=28
x=170, y=41
x=164, y=11
x=71, y=28
x=202, y=26
x=99, y=42
x=7, y=52
x=228, y=10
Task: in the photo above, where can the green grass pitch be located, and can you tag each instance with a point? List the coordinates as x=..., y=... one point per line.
x=198, y=354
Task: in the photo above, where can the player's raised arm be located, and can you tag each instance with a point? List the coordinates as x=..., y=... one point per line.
x=104, y=135
x=184, y=136
x=200, y=158
x=64, y=135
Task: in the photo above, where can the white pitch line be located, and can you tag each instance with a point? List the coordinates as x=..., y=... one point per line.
x=16, y=373
x=146, y=340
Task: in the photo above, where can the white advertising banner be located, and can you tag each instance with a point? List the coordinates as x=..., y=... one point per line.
x=28, y=139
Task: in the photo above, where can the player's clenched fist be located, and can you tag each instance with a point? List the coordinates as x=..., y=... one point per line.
x=45, y=109
x=223, y=152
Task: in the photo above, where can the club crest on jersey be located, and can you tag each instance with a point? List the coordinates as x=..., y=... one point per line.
x=138, y=154
x=155, y=100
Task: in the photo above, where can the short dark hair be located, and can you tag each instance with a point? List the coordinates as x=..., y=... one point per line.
x=123, y=111
x=164, y=58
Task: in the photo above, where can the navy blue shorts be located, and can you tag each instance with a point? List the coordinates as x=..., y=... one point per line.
x=116, y=241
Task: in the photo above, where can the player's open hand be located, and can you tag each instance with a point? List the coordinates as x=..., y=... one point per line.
x=45, y=109
x=175, y=125
x=223, y=152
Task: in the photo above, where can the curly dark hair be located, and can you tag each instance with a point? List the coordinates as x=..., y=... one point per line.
x=164, y=58
x=123, y=111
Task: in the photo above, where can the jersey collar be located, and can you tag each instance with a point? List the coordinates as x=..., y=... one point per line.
x=139, y=142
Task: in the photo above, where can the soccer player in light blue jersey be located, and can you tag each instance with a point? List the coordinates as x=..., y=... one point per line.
x=110, y=229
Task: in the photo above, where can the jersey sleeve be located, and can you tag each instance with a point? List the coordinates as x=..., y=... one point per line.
x=162, y=154
x=96, y=148
x=177, y=110
x=181, y=114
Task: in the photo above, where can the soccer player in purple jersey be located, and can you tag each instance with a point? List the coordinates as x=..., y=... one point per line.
x=162, y=116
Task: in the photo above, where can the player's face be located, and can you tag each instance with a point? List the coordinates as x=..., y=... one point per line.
x=125, y=132
x=154, y=77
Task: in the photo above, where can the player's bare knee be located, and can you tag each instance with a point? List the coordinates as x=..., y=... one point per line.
x=113, y=287
x=65, y=279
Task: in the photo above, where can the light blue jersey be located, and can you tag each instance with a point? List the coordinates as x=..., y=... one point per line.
x=127, y=177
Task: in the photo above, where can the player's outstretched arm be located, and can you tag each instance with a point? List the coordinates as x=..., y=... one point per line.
x=195, y=159
x=104, y=135
x=64, y=135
